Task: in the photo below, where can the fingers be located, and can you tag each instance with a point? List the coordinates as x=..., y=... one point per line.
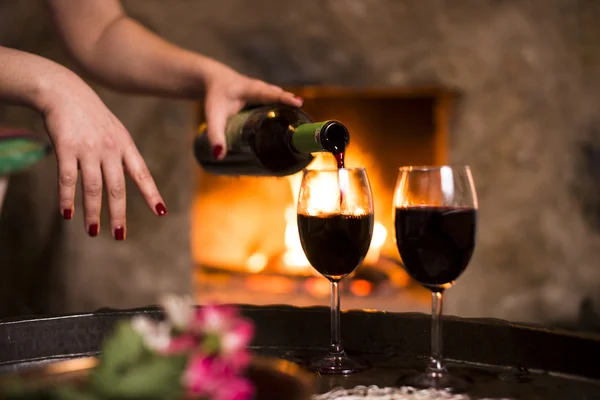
x=67, y=182
x=216, y=120
x=264, y=93
x=137, y=169
x=91, y=186
x=111, y=172
x=107, y=176
x=114, y=180
x=257, y=92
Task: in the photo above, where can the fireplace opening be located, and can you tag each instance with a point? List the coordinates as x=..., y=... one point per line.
x=245, y=242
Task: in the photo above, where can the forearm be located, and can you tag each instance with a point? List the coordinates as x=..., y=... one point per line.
x=27, y=79
x=123, y=54
x=129, y=57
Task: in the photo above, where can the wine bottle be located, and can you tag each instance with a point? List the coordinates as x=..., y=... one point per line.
x=274, y=140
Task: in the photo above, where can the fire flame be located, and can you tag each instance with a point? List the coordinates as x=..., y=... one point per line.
x=294, y=259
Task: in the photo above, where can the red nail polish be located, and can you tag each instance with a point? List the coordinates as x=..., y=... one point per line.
x=67, y=213
x=93, y=230
x=160, y=209
x=217, y=151
x=119, y=233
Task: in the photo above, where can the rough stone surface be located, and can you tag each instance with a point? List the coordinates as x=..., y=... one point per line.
x=528, y=76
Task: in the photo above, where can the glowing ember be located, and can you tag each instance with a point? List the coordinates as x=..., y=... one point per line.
x=257, y=262
x=269, y=284
x=318, y=287
x=361, y=287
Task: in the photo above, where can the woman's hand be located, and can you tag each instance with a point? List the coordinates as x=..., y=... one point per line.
x=87, y=136
x=227, y=92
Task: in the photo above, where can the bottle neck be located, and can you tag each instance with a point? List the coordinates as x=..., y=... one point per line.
x=306, y=137
x=329, y=136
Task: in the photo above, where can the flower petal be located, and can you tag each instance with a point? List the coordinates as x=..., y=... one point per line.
x=182, y=344
x=142, y=324
x=238, y=361
x=215, y=319
x=205, y=375
x=179, y=309
x=157, y=335
x=237, y=338
x=196, y=378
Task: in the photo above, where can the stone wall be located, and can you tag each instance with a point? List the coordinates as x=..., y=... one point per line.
x=527, y=72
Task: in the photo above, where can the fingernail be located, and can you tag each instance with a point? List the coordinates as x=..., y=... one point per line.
x=119, y=233
x=93, y=230
x=67, y=213
x=217, y=151
x=160, y=209
x=299, y=98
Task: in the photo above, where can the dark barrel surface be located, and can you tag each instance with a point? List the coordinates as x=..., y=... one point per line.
x=502, y=359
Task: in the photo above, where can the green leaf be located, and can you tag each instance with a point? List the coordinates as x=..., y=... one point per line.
x=128, y=369
x=125, y=347
x=159, y=378
x=155, y=377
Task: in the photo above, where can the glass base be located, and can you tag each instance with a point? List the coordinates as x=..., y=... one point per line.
x=337, y=364
x=441, y=380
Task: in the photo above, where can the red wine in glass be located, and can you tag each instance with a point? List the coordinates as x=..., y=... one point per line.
x=335, y=244
x=435, y=220
x=335, y=238
x=435, y=243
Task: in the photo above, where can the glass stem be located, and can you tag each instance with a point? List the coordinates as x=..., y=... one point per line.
x=436, y=365
x=336, y=341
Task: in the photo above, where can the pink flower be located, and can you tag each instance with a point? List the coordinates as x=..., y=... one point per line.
x=238, y=361
x=233, y=332
x=234, y=344
x=179, y=310
x=182, y=344
x=237, y=337
x=204, y=375
x=235, y=389
x=156, y=335
x=213, y=378
x=214, y=340
x=197, y=378
x=214, y=319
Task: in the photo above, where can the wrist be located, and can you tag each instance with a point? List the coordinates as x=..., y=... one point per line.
x=51, y=86
x=208, y=69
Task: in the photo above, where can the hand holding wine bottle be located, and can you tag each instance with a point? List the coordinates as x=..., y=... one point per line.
x=228, y=92
x=275, y=140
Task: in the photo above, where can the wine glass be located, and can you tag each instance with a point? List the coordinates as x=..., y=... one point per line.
x=335, y=223
x=435, y=218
